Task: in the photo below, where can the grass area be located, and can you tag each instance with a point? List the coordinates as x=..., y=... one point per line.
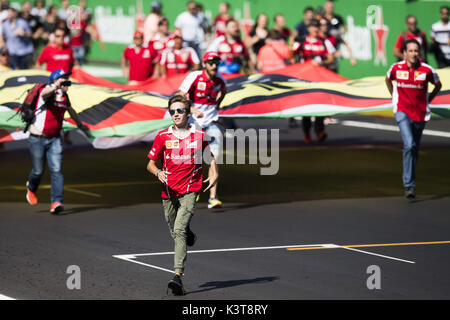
x=305, y=173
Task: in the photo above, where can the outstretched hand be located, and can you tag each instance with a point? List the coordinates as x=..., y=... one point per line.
x=212, y=182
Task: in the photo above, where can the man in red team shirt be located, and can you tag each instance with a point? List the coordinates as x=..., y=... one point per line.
x=206, y=89
x=56, y=55
x=180, y=147
x=45, y=138
x=222, y=18
x=141, y=58
x=320, y=52
x=178, y=59
x=410, y=99
x=232, y=51
x=412, y=32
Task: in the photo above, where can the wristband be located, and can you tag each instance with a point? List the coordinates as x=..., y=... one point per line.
x=157, y=172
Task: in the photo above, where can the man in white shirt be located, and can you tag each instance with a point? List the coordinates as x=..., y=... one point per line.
x=190, y=24
x=440, y=39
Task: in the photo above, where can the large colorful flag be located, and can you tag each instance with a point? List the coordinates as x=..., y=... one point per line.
x=121, y=114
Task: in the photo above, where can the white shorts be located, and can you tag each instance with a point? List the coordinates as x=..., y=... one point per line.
x=215, y=138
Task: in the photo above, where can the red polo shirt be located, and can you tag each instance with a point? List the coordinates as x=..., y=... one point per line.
x=182, y=158
x=410, y=93
x=141, y=61
x=57, y=58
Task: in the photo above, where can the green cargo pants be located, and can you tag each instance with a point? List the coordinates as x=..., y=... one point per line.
x=178, y=212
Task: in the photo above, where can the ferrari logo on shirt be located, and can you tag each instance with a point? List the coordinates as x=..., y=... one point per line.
x=402, y=75
x=191, y=145
x=172, y=144
x=420, y=76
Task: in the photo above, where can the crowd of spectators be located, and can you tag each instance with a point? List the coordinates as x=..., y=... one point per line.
x=59, y=37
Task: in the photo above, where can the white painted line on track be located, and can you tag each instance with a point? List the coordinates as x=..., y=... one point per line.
x=131, y=257
x=3, y=297
x=371, y=253
x=387, y=127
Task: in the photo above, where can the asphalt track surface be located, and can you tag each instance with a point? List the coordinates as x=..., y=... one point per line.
x=321, y=249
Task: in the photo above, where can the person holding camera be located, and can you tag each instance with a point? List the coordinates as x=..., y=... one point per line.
x=45, y=139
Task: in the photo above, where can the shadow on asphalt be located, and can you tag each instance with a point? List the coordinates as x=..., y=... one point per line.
x=213, y=285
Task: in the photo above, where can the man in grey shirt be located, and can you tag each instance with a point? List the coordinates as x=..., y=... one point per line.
x=17, y=37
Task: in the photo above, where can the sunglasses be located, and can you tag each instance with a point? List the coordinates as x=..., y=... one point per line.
x=213, y=62
x=178, y=110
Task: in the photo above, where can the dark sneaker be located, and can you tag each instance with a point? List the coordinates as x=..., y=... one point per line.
x=410, y=193
x=190, y=237
x=321, y=136
x=176, y=286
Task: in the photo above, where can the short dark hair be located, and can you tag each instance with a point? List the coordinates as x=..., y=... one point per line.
x=180, y=98
x=314, y=23
x=444, y=7
x=230, y=20
x=411, y=41
x=308, y=9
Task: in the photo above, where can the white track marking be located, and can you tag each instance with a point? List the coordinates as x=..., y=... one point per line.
x=131, y=257
x=3, y=297
x=386, y=127
x=371, y=253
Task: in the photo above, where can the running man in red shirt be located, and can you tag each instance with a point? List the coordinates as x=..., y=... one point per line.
x=141, y=59
x=180, y=148
x=206, y=89
x=410, y=99
x=178, y=59
x=320, y=52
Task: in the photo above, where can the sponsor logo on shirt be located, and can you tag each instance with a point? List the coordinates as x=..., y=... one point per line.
x=146, y=54
x=402, y=75
x=172, y=144
x=410, y=86
x=201, y=86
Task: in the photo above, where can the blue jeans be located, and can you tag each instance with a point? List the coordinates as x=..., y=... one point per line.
x=411, y=134
x=50, y=149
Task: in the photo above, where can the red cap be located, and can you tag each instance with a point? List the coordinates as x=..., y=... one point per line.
x=138, y=33
x=211, y=55
x=177, y=33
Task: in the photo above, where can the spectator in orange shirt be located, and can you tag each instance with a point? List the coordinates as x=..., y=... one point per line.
x=275, y=54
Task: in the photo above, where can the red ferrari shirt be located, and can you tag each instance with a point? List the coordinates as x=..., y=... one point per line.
x=203, y=92
x=310, y=49
x=419, y=37
x=57, y=58
x=178, y=61
x=49, y=119
x=228, y=49
x=182, y=158
x=410, y=93
x=141, y=61
x=220, y=23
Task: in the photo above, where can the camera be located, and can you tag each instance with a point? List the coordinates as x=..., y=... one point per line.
x=67, y=83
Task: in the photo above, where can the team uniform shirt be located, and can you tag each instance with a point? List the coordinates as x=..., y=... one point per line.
x=49, y=119
x=220, y=23
x=421, y=37
x=203, y=92
x=313, y=49
x=141, y=61
x=441, y=34
x=410, y=94
x=57, y=58
x=182, y=158
x=160, y=43
x=228, y=49
x=178, y=61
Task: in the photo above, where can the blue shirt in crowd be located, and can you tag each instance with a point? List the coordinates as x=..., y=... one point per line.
x=17, y=46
